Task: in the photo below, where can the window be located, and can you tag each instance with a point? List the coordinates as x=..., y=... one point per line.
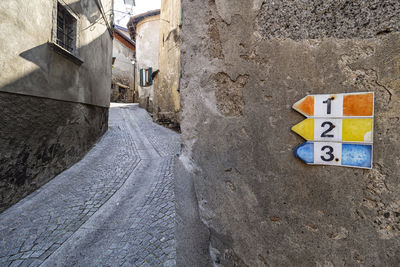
x=66, y=25
x=146, y=78
x=129, y=2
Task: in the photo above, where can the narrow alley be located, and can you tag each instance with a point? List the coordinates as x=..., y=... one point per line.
x=115, y=207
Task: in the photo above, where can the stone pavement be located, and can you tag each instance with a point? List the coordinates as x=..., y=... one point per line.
x=115, y=207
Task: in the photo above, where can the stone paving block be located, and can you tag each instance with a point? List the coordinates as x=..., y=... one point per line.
x=16, y=263
x=52, y=225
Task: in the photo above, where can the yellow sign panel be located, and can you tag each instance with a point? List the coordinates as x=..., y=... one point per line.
x=357, y=130
x=336, y=130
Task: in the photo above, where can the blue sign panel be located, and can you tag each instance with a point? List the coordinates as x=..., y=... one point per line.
x=330, y=153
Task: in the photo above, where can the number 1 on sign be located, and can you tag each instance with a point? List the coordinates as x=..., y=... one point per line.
x=328, y=105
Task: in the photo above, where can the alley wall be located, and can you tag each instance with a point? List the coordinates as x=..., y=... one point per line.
x=123, y=72
x=166, y=88
x=147, y=40
x=243, y=198
x=54, y=102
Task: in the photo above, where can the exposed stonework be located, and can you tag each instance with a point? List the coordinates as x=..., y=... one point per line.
x=296, y=19
x=229, y=93
x=40, y=138
x=252, y=203
x=215, y=42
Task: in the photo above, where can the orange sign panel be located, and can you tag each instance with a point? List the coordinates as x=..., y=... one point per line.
x=358, y=105
x=337, y=105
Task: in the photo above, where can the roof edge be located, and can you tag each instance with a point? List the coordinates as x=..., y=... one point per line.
x=136, y=19
x=124, y=36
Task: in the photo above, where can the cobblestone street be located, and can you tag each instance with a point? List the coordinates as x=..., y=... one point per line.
x=115, y=207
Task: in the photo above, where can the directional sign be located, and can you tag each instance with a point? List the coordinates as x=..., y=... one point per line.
x=330, y=153
x=339, y=126
x=337, y=105
x=337, y=130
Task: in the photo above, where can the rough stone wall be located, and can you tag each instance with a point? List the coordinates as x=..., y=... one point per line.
x=166, y=104
x=41, y=137
x=243, y=199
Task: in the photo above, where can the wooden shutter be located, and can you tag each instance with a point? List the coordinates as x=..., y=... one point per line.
x=150, y=76
x=141, y=77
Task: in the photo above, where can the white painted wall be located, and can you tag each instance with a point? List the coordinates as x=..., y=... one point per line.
x=147, y=41
x=30, y=66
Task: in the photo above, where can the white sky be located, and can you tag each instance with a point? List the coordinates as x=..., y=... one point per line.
x=142, y=6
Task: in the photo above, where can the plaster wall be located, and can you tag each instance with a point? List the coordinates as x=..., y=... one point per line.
x=147, y=41
x=123, y=69
x=53, y=110
x=166, y=92
x=243, y=198
x=32, y=67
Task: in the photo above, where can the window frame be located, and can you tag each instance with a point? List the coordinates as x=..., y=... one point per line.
x=66, y=29
x=74, y=54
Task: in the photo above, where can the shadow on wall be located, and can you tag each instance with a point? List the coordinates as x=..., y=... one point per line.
x=44, y=127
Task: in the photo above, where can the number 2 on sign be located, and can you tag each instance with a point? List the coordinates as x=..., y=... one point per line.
x=330, y=125
x=328, y=130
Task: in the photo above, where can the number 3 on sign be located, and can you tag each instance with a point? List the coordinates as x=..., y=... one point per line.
x=327, y=153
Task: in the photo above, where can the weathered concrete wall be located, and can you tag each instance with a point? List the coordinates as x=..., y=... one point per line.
x=52, y=108
x=166, y=89
x=31, y=67
x=147, y=40
x=41, y=137
x=123, y=71
x=244, y=65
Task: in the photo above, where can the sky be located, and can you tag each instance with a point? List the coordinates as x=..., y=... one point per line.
x=142, y=6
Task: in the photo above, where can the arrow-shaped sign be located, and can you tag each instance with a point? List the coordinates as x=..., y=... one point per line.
x=337, y=105
x=333, y=119
x=337, y=130
x=329, y=153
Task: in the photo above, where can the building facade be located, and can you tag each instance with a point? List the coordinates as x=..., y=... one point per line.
x=144, y=30
x=123, y=70
x=243, y=198
x=167, y=85
x=55, y=58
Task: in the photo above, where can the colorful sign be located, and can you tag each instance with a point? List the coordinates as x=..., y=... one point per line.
x=336, y=130
x=330, y=153
x=337, y=105
x=340, y=126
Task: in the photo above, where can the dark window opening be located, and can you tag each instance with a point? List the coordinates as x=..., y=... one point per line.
x=66, y=36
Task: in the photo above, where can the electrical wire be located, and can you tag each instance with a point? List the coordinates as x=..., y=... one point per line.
x=100, y=6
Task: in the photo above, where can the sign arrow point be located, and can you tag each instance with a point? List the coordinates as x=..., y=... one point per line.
x=305, y=129
x=305, y=106
x=305, y=152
